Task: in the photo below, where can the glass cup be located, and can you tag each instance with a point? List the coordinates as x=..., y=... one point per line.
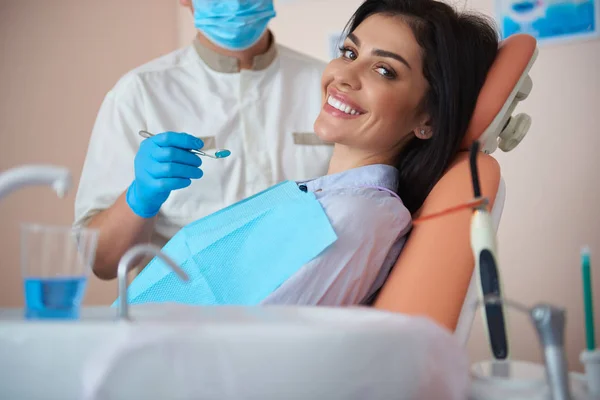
x=56, y=262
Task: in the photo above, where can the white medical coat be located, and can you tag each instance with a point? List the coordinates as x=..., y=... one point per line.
x=264, y=116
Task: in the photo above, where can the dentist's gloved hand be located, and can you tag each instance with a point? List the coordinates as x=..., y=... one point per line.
x=163, y=163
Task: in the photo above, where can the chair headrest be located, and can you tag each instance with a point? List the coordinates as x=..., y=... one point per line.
x=506, y=84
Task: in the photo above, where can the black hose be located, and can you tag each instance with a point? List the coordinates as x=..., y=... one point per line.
x=474, y=170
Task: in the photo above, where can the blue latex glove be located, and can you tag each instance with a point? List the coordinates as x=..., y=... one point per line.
x=163, y=163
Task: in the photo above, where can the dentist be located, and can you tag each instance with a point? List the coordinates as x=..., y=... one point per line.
x=234, y=87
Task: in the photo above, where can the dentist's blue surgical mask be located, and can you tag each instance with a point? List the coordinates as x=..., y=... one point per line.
x=233, y=24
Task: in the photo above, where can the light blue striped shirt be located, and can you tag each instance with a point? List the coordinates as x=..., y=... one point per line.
x=371, y=225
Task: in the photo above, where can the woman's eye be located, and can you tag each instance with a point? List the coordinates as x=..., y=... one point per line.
x=348, y=53
x=386, y=73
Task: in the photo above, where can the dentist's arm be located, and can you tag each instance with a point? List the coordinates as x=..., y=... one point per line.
x=162, y=164
x=120, y=229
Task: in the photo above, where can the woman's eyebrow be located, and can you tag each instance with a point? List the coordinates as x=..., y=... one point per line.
x=354, y=39
x=381, y=53
x=389, y=54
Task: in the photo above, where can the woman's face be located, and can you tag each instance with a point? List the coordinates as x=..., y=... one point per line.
x=372, y=93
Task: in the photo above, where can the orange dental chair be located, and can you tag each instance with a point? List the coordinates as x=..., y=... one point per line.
x=435, y=274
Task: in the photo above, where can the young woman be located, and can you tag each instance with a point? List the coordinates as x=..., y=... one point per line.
x=396, y=104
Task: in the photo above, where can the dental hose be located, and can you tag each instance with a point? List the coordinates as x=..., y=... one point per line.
x=477, y=203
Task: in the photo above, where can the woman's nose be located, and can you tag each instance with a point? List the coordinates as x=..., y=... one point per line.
x=348, y=76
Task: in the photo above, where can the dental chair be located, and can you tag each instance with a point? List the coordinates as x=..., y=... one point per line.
x=436, y=267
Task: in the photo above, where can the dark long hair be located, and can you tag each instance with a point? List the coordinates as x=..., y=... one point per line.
x=458, y=50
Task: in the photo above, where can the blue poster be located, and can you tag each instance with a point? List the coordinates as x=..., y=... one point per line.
x=549, y=20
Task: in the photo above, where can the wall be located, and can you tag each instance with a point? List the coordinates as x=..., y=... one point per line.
x=552, y=178
x=57, y=60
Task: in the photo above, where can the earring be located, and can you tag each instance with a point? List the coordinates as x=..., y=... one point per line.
x=422, y=132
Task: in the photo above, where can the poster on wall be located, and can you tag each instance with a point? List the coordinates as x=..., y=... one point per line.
x=549, y=20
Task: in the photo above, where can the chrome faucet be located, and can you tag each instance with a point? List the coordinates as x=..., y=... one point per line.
x=58, y=178
x=125, y=265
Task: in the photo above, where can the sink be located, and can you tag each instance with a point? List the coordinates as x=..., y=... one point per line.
x=178, y=351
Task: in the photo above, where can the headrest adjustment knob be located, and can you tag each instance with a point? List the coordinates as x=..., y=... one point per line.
x=515, y=131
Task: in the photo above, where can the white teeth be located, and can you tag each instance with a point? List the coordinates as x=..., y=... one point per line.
x=341, y=106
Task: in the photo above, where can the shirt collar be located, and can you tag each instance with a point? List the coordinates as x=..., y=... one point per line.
x=381, y=175
x=227, y=64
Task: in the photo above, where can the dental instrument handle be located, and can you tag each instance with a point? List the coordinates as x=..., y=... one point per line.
x=125, y=265
x=146, y=134
x=549, y=322
x=483, y=245
x=225, y=153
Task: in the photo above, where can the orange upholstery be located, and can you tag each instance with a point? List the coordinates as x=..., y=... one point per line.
x=434, y=270
x=513, y=57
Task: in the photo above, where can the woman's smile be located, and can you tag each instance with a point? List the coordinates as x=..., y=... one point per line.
x=340, y=105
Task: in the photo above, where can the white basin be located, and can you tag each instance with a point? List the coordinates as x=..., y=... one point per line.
x=175, y=351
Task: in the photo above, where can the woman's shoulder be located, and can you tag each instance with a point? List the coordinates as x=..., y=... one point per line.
x=358, y=196
x=361, y=207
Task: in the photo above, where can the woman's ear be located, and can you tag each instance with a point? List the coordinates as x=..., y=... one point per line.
x=424, y=130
